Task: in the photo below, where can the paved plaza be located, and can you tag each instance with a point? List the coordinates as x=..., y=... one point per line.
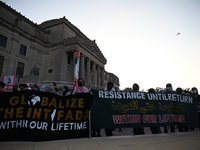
x=124, y=140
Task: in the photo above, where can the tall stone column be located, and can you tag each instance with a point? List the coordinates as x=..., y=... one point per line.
x=93, y=73
x=82, y=66
x=88, y=78
x=98, y=75
x=102, y=76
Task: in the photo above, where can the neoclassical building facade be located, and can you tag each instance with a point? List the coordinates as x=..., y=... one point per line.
x=45, y=53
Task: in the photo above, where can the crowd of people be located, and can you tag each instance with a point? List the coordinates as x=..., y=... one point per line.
x=81, y=88
x=155, y=129
x=52, y=87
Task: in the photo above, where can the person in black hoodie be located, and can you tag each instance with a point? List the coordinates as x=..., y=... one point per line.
x=137, y=131
x=110, y=87
x=194, y=93
x=155, y=129
x=169, y=89
x=181, y=128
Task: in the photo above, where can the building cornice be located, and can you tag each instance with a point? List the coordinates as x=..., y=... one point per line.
x=21, y=17
x=54, y=22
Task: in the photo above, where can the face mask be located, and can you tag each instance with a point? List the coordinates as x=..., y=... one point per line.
x=109, y=87
x=80, y=83
x=169, y=88
x=195, y=91
x=135, y=88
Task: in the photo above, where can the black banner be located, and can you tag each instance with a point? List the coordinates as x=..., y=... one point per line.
x=38, y=116
x=138, y=109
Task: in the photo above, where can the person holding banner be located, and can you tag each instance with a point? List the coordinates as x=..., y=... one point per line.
x=169, y=89
x=2, y=85
x=155, y=129
x=80, y=88
x=137, y=131
x=23, y=87
x=15, y=88
x=180, y=91
x=47, y=88
x=181, y=128
x=65, y=91
x=108, y=132
x=35, y=87
x=110, y=87
x=53, y=87
x=197, y=97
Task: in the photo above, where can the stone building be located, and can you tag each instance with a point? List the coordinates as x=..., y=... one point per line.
x=44, y=53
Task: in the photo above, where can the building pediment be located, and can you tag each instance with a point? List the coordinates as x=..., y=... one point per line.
x=80, y=37
x=95, y=50
x=90, y=45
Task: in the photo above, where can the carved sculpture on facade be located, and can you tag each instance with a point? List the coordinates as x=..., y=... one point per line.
x=35, y=70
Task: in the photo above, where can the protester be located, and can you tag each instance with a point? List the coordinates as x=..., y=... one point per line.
x=53, y=87
x=108, y=132
x=47, y=88
x=179, y=91
x=35, y=87
x=110, y=87
x=194, y=93
x=137, y=131
x=15, y=88
x=23, y=87
x=181, y=128
x=65, y=91
x=169, y=89
x=2, y=85
x=80, y=88
x=155, y=129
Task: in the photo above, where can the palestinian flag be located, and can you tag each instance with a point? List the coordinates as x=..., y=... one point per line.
x=77, y=57
x=76, y=69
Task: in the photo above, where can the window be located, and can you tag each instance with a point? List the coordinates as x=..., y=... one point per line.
x=69, y=60
x=1, y=64
x=22, y=50
x=50, y=70
x=3, y=41
x=20, y=69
